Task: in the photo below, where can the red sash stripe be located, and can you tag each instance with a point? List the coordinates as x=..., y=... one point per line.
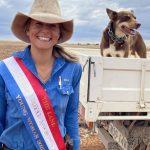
x=47, y=108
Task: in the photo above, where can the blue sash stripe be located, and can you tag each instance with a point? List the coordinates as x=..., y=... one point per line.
x=23, y=108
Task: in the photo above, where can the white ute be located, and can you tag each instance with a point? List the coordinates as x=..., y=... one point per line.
x=115, y=95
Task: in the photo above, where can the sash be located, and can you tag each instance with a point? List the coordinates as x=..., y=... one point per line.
x=33, y=104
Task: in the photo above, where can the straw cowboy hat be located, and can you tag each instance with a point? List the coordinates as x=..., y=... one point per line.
x=46, y=11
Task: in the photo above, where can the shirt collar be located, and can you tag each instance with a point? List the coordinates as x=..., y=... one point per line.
x=25, y=55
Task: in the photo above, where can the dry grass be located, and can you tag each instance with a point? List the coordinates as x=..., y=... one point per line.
x=7, y=47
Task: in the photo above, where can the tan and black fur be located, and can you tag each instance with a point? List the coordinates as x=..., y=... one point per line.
x=125, y=41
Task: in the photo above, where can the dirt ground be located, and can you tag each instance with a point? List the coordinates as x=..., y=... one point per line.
x=90, y=140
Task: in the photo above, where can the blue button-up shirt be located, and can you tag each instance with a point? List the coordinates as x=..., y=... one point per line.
x=64, y=99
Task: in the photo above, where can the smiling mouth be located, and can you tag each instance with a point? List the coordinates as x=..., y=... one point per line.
x=45, y=39
x=127, y=30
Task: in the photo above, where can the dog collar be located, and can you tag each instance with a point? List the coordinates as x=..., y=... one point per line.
x=114, y=37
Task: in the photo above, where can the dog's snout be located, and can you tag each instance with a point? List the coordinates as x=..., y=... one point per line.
x=138, y=25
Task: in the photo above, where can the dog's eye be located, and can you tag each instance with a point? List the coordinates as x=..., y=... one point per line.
x=128, y=17
x=125, y=18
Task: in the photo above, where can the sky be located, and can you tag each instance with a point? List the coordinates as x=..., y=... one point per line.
x=90, y=17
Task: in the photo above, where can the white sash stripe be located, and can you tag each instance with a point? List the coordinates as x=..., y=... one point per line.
x=32, y=101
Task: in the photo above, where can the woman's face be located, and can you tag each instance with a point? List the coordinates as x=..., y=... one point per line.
x=43, y=36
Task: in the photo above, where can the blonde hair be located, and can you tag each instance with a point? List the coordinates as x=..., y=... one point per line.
x=60, y=51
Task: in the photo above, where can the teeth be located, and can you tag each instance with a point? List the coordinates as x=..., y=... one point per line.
x=132, y=31
x=44, y=39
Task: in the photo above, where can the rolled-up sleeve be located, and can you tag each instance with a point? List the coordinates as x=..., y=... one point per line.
x=71, y=117
x=2, y=107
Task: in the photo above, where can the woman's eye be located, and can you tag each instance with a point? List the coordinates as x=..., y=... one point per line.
x=53, y=25
x=38, y=23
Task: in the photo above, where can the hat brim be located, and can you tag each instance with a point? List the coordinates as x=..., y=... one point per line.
x=19, y=22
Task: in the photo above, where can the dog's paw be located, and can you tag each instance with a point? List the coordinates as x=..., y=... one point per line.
x=132, y=56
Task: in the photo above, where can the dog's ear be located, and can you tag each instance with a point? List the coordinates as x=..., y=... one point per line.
x=112, y=14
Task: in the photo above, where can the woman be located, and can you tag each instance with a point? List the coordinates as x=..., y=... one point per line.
x=39, y=86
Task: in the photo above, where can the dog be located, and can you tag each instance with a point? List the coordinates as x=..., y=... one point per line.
x=120, y=38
